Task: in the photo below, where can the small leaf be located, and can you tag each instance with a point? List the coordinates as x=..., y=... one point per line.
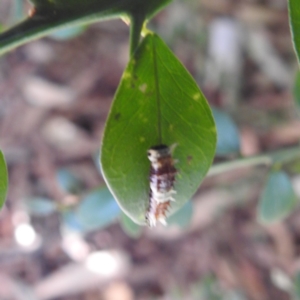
x=297, y=285
x=297, y=90
x=40, y=206
x=68, y=33
x=3, y=179
x=208, y=288
x=278, y=198
x=183, y=216
x=97, y=209
x=68, y=181
x=294, y=14
x=228, y=141
x=130, y=228
x=71, y=222
x=157, y=102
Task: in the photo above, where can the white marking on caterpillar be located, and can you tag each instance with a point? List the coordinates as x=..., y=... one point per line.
x=162, y=178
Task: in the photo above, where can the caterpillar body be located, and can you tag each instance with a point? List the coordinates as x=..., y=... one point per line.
x=162, y=179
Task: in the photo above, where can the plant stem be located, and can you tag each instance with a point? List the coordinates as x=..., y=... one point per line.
x=136, y=25
x=280, y=157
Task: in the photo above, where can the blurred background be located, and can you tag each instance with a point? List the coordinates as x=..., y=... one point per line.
x=63, y=237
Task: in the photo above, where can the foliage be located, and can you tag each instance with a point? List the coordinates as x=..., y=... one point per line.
x=157, y=102
x=278, y=198
x=48, y=16
x=161, y=104
x=210, y=289
x=294, y=13
x=296, y=286
x=40, y=206
x=97, y=209
x=228, y=135
x=68, y=182
x=3, y=179
x=296, y=90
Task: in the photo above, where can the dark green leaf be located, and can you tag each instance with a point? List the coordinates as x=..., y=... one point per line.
x=156, y=92
x=3, y=179
x=278, y=198
x=294, y=14
x=51, y=15
x=183, y=216
x=97, y=209
x=228, y=141
x=297, y=90
x=40, y=206
x=130, y=228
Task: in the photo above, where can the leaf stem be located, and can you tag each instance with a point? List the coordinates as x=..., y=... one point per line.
x=281, y=156
x=136, y=24
x=42, y=24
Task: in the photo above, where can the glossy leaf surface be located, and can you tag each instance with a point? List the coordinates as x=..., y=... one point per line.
x=228, y=141
x=278, y=198
x=294, y=14
x=3, y=180
x=157, y=102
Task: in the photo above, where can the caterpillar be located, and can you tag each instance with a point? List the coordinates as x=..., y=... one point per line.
x=162, y=179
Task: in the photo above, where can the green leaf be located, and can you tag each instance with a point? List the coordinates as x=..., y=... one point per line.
x=3, y=179
x=183, y=216
x=68, y=181
x=296, y=90
x=294, y=14
x=70, y=222
x=97, y=209
x=228, y=141
x=130, y=228
x=18, y=10
x=157, y=102
x=278, y=198
x=209, y=288
x=55, y=14
x=40, y=206
x=68, y=33
x=297, y=285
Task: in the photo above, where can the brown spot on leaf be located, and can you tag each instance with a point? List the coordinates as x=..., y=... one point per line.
x=189, y=159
